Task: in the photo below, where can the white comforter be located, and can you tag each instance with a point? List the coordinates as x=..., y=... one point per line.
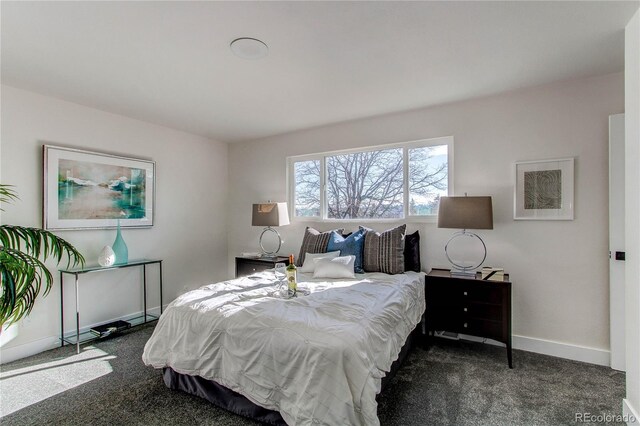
x=317, y=359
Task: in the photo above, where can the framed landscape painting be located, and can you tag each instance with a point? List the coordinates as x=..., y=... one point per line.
x=544, y=190
x=85, y=190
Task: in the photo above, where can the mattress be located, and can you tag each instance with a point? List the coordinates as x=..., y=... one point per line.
x=316, y=359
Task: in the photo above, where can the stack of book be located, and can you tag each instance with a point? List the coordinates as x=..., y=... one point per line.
x=106, y=329
x=489, y=273
x=251, y=254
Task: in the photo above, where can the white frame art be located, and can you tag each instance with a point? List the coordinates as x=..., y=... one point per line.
x=544, y=190
x=54, y=156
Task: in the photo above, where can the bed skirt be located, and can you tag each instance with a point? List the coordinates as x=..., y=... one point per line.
x=236, y=403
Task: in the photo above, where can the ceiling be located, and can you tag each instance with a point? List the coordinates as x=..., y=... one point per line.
x=170, y=62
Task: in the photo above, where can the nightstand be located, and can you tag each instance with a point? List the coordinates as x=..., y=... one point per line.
x=469, y=305
x=250, y=265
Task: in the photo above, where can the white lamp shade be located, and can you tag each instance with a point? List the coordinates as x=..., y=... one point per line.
x=270, y=214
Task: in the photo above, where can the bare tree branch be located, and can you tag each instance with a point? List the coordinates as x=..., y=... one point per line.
x=370, y=184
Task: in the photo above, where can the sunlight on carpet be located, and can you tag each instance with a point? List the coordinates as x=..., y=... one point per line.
x=27, y=385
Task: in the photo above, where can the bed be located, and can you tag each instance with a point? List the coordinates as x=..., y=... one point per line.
x=315, y=359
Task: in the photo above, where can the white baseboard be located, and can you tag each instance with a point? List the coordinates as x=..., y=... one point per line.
x=46, y=343
x=563, y=350
x=629, y=414
x=28, y=349
x=549, y=347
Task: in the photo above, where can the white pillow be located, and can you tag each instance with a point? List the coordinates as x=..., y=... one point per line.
x=309, y=266
x=337, y=267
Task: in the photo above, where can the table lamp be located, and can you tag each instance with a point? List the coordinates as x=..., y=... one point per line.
x=268, y=215
x=465, y=213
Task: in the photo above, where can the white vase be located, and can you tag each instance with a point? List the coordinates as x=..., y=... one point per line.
x=107, y=256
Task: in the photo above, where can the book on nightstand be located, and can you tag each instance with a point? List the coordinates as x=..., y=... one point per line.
x=489, y=273
x=253, y=254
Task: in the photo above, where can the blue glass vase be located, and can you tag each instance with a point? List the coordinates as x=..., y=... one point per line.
x=119, y=247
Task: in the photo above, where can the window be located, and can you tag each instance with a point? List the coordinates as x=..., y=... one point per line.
x=389, y=182
x=307, y=194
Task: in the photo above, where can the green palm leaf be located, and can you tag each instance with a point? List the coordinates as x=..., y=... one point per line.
x=23, y=273
x=7, y=194
x=39, y=243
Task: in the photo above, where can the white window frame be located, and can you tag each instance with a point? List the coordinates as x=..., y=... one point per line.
x=291, y=190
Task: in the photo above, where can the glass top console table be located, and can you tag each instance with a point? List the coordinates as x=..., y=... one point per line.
x=86, y=336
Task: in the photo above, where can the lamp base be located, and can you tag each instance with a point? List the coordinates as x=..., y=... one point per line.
x=463, y=273
x=270, y=254
x=463, y=270
x=265, y=256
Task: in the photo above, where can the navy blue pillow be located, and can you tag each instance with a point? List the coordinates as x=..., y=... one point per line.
x=352, y=245
x=412, y=252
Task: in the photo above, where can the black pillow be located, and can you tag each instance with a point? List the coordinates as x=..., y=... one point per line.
x=412, y=252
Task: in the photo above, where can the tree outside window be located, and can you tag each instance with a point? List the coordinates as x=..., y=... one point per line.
x=370, y=184
x=307, y=188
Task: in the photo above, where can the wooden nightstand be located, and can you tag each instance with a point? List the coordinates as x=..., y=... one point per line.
x=250, y=265
x=470, y=306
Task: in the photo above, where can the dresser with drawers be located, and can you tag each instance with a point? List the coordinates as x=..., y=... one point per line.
x=469, y=305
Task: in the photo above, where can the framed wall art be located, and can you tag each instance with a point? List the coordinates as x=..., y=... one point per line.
x=89, y=190
x=544, y=190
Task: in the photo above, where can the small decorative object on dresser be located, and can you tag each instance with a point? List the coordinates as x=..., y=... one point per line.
x=489, y=273
x=120, y=248
x=469, y=305
x=107, y=257
x=250, y=265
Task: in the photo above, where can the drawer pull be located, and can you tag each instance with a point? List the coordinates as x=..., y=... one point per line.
x=465, y=325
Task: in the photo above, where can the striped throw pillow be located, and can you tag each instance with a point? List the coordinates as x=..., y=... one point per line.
x=384, y=252
x=314, y=242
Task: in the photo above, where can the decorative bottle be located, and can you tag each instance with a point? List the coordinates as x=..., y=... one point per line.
x=107, y=257
x=292, y=279
x=119, y=247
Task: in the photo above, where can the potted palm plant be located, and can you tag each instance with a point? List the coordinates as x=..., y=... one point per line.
x=23, y=274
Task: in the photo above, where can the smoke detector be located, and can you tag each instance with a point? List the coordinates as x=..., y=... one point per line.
x=249, y=48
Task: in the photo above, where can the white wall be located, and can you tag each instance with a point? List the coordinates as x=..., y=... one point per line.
x=189, y=233
x=559, y=268
x=632, y=216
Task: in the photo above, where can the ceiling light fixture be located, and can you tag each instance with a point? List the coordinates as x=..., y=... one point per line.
x=249, y=48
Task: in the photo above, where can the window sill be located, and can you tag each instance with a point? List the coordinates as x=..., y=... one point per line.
x=411, y=219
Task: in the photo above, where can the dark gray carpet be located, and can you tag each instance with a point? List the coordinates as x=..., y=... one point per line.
x=451, y=383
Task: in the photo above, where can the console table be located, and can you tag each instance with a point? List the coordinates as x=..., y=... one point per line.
x=87, y=336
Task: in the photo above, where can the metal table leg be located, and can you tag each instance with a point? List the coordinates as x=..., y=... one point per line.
x=144, y=286
x=61, y=309
x=161, y=287
x=77, y=317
